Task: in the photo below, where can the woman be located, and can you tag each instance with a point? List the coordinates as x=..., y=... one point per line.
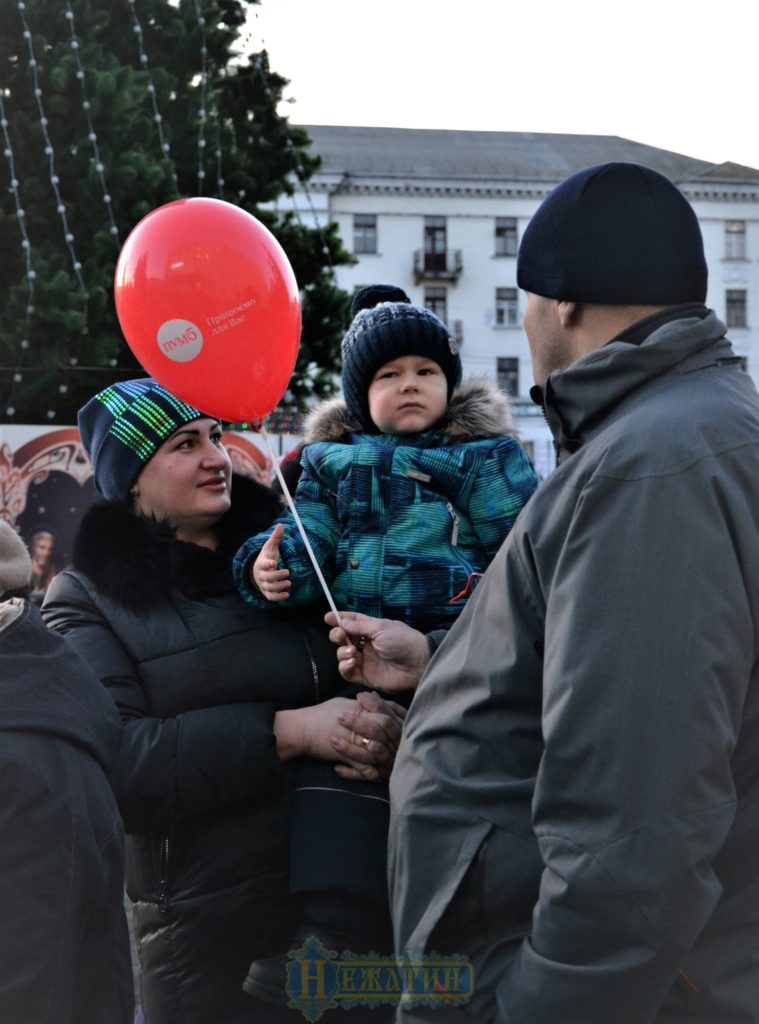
x=216, y=698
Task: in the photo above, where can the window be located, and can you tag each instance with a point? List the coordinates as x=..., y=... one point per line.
x=735, y=239
x=735, y=307
x=506, y=307
x=365, y=233
x=436, y=299
x=505, y=236
x=507, y=375
x=435, y=242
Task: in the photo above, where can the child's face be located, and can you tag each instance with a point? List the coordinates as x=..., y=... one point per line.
x=407, y=395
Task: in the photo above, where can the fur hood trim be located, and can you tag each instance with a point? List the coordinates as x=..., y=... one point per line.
x=477, y=409
x=138, y=561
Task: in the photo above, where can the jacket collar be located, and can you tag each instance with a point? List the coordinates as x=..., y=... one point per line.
x=137, y=561
x=477, y=409
x=578, y=401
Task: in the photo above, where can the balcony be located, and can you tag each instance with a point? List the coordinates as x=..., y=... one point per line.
x=438, y=266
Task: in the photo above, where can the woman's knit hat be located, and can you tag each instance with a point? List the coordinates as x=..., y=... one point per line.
x=123, y=427
x=383, y=333
x=614, y=234
x=15, y=563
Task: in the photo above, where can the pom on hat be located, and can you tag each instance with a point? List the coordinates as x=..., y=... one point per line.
x=15, y=563
x=614, y=234
x=383, y=333
x=123, y=427
x=373, y=294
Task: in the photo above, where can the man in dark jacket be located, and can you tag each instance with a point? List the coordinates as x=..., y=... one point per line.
x=64, y=947
x=576, y=796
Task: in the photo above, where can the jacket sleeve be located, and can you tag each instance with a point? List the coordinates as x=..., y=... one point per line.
x=172, y=768
x=500, y=490
x=317, y=510
x=44, y=919
x=648, y=656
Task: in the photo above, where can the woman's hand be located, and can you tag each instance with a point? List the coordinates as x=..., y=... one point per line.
x=378, y=652
x=376, y=725
x=362, y=734
x=273, y=583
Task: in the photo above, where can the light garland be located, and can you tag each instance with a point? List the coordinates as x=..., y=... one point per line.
x=91, y=133
x=26, y=248
x=300, y=171
x=201, y=22
x=50, y=154
x=151, y=90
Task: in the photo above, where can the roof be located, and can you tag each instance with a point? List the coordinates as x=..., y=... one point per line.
x=513, y=156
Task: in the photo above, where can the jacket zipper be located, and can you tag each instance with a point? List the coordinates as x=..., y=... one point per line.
x=163, y=891
x=455, y=526
x=314, y=670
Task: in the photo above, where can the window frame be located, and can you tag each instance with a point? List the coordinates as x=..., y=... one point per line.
x=506, y=236
x=736, y=308
x=506, y=307
x=365, y=236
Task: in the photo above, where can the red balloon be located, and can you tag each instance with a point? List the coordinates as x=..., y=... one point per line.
x=208, y=303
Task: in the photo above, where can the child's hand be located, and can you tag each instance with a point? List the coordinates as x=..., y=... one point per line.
x=273, y=583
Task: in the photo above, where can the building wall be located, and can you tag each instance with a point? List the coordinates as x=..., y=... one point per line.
x=401, y=204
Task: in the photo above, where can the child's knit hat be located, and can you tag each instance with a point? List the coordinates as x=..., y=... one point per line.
x=372, y=294
x=383, y=333
x=123, y=427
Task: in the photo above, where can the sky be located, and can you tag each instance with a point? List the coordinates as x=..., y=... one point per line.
x=682, y=75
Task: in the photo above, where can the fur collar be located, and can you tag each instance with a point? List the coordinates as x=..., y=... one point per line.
x=137, y=561
x=477, y=409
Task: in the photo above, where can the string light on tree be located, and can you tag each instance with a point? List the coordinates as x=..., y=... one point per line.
x=91, y=133
x=151, y=90
x=201, y=22
x=50, y=154
x=26, y=248
x=299, y=169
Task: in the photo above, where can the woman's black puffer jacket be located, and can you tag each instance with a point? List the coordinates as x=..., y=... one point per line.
x=197, y=675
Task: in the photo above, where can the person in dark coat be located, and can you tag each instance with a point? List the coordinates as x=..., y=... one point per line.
x=575, y=799
x=64, y=945
x=410, y=484
x=217, y=699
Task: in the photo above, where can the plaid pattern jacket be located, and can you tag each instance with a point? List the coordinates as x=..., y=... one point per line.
x=402, y=525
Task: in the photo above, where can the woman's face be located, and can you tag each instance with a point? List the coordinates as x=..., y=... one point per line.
x=188, y=480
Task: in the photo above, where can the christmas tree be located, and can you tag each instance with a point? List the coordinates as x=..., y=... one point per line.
x=106, y=112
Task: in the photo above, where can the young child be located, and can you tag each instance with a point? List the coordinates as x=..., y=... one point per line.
x=409, y=485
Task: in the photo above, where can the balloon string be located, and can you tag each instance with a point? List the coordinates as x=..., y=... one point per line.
x=299, y=524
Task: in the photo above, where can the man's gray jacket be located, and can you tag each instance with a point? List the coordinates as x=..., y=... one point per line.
x=576, y=796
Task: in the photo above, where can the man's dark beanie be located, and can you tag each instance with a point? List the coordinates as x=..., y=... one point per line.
x=383, y=333
x=373, y=294
x=614, y=234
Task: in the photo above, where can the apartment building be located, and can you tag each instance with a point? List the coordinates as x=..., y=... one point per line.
x=440, y=213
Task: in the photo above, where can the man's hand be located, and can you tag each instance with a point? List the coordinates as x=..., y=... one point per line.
x=273, y=583
x=383, y=653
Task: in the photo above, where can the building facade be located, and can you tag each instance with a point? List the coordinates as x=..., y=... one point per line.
x=441, y=213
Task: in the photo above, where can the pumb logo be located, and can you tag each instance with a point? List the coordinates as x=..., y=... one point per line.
x=180, y=340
